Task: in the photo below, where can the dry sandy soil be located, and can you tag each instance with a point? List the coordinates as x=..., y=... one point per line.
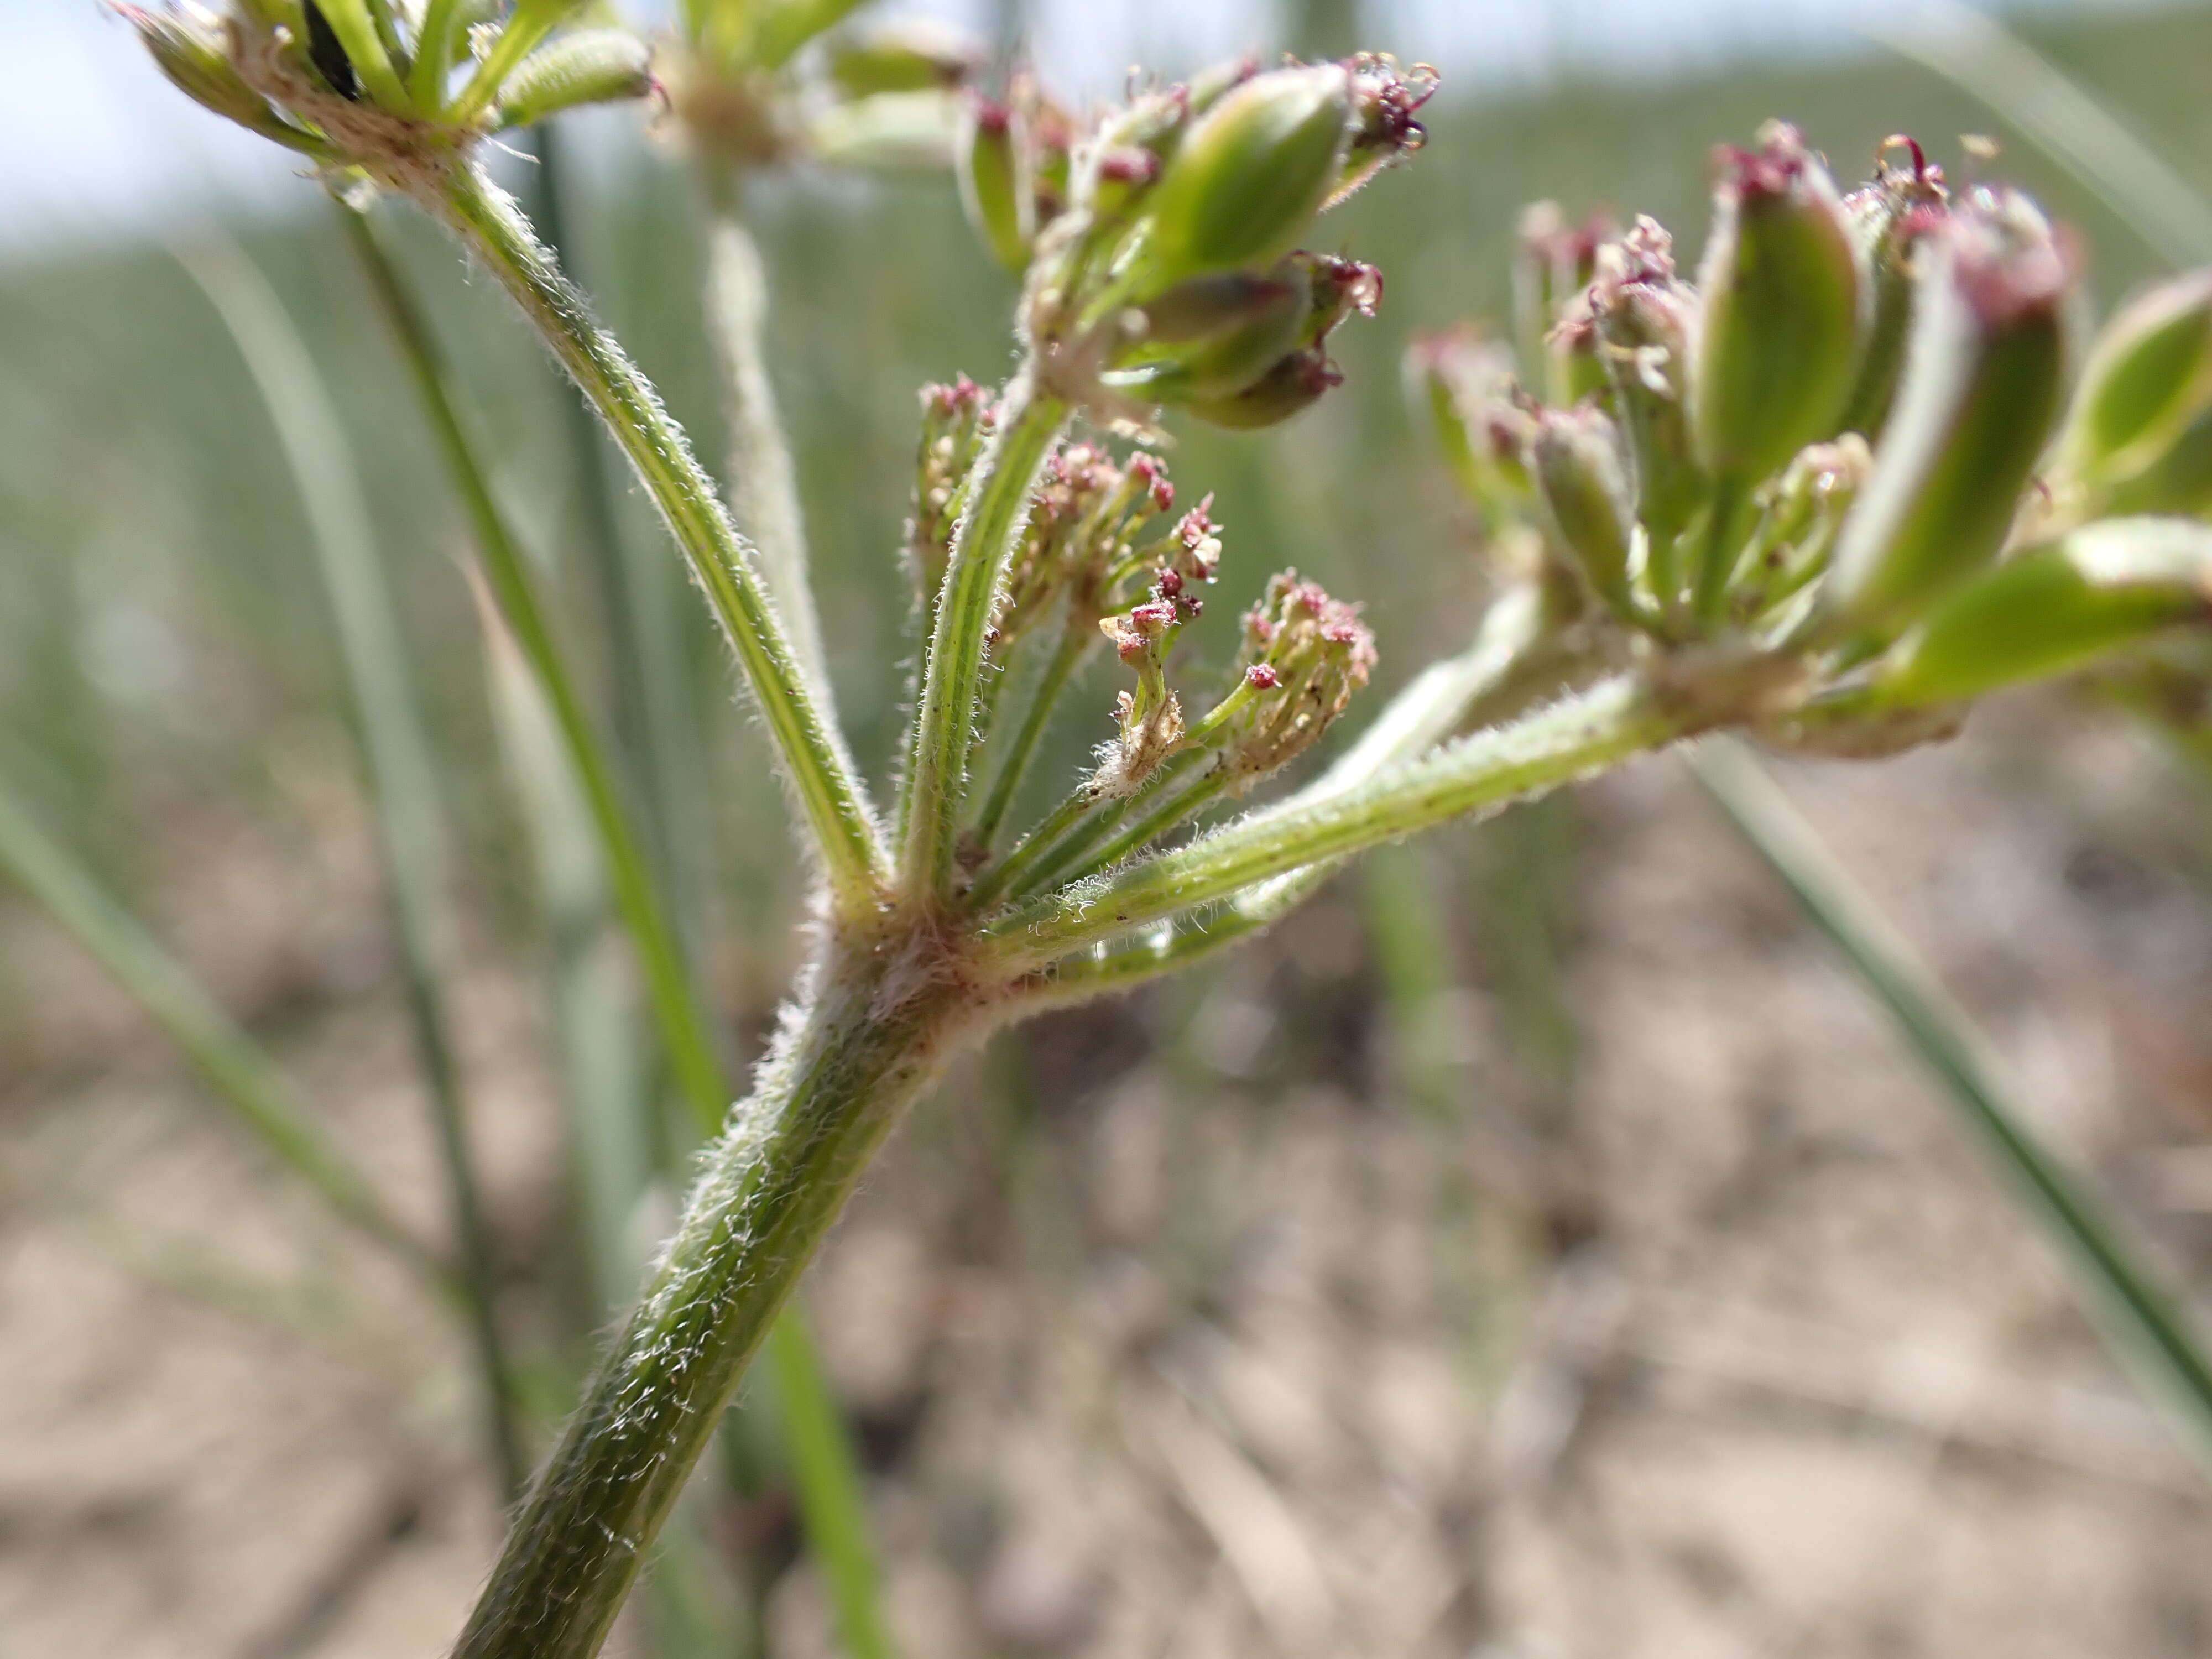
x=1248, y=1317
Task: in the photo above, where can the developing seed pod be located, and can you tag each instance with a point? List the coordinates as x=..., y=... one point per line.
x=1778, y=346
x=1250, y=174
x=915, y=55
x=1577, y=464
x=1552, y=265
x=591, y=66
x=1303, y=655
x=955, y=421
x=1645, y=319
x=1212, y=336
x=2054, y=610
x=995, y=185
x=1465, y=386
x=2148, y=377
x=1890, y=217
x=1984, y=376
x=1384, y=102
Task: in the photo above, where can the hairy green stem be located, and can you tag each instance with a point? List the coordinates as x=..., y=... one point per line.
x=1184, y=803
x=1028, y=422
x=395, y=751
x=813, y=753
x=841, y=1077
x=1573, y=738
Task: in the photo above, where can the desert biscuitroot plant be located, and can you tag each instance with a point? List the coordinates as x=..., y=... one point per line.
x=1799, y=497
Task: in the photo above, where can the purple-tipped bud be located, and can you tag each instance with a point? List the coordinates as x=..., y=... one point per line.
x=1890, y=216
x=995, y=191
x=1385, y=101
x=1783, y=299
x=1341, y=288
x=1293, y=386
x=1212, y=336
x=1249, y=174
x=1552, y=266
x=1645, y=319
x=1984, y=374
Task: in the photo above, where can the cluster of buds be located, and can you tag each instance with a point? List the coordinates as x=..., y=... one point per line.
x=955, y=420
x=384, y=91
x=1082, y=540
x=1150, y=719
x=1163, y=253
x=1303, y=655
x=741, y=90
x=1847, y=446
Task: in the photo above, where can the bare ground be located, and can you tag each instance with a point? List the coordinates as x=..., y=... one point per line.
x=1254, y=1316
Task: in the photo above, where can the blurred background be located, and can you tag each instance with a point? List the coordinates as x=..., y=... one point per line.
x=1540, y=1246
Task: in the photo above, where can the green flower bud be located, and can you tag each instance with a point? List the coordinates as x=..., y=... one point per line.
x=1214, y=336
x=188, y=47
x=592, y=66
x=1250, y=174
x=1582, y=482
x=2147, y=377
x=1644, y=319
x=1465, y=386
x=995, y=185
x=1890, y=217
x=1778, y=348
x=917, y=55
x=955, y=421
x=2053, y=610
x=1983, y=376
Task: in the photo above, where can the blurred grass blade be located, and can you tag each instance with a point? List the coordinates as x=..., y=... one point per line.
x=2143, y=1320
x=828, y=1484
x=1978, y=54
x=240, y=1074
x=827, y=1478
x=395, y=750
x=641, y=595
x=600, y=1073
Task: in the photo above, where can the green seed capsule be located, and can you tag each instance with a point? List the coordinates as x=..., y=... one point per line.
x=1890, y=217
x=994, y=188
x=1783, y=296
x=1644, y=319
x=1250, y=174
x=188, y=47
x=592, y=66
x=1464, y=385
x=1581, y=480
x=1984, y=376
x=2054, y=610
x=2149, y=376
x=918, y=55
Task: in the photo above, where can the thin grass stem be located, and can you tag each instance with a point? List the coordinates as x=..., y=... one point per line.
x=2143, y=1319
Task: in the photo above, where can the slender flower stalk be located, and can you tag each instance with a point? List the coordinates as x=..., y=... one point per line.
x=1029, y=422
x=820, y=771
x=1529, y=757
